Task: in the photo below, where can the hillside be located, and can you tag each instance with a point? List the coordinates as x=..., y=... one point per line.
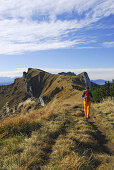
x=37, y=84
x=56, y=136
x=13, y=93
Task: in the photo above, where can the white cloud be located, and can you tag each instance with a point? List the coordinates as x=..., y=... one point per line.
x=20, y=48
x=104, y=9
x=108, y=44
x=19, y=32
x=15, y=73
x=26, y=8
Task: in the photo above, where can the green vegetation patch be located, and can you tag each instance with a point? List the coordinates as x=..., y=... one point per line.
x=103, y=92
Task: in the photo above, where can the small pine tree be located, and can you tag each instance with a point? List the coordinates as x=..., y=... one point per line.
x=105, y=91
x=112, y=89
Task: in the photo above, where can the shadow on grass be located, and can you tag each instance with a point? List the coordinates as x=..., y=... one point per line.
x=101, y=139
x=50, y=140
x=25, y=128
x=87, y=150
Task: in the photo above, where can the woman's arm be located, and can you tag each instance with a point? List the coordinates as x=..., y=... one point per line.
x=83, y=94
x=91, y=94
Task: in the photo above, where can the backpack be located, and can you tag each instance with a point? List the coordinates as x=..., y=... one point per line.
x=87, y=96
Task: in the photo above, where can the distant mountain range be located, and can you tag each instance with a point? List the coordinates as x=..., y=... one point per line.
x=6, y=80
x=9, y=80
x=68, y=73
x=99, y=81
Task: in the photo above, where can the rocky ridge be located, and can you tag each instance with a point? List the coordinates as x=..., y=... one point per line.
x=38, y=87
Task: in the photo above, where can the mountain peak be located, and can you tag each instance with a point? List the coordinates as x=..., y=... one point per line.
x=85, y=78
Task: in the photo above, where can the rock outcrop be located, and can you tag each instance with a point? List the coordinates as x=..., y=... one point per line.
x=41, y=101
x=68, y=73
x=85, y=79
x=28, y=86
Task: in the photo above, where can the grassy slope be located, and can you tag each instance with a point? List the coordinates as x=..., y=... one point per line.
x=104, y=117
x=54, y=137
x=13, y=93
x=48, y=82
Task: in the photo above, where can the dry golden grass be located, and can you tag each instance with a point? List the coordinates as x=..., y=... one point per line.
x=26, y=106
x=104, y=113
x=106, y=106
x=56, y=136
x=13, y=93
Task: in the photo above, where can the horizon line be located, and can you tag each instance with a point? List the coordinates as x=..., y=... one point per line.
x=94, y=73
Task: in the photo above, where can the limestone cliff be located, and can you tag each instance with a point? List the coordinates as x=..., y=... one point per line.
x=85, y=79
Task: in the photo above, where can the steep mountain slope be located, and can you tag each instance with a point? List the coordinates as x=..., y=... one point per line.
x=38, y=83
x=41, y=83
x=13, y=93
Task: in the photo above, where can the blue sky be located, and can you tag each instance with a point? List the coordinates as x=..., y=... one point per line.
x=57, y=35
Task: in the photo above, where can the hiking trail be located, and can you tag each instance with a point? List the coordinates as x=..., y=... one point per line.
x=105, y=144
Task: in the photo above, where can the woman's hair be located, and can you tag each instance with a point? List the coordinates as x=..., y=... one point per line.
x=87, y=87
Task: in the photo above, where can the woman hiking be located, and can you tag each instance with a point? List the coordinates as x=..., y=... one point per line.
x=87, y=101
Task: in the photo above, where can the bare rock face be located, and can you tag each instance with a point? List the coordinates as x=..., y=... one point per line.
x=28, y=86
x=86, y=79
x=41, y=101
x=24, y=74
x=34, y=84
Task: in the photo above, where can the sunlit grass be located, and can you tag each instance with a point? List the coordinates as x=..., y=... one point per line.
x=57, y=136
x=104, y=113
